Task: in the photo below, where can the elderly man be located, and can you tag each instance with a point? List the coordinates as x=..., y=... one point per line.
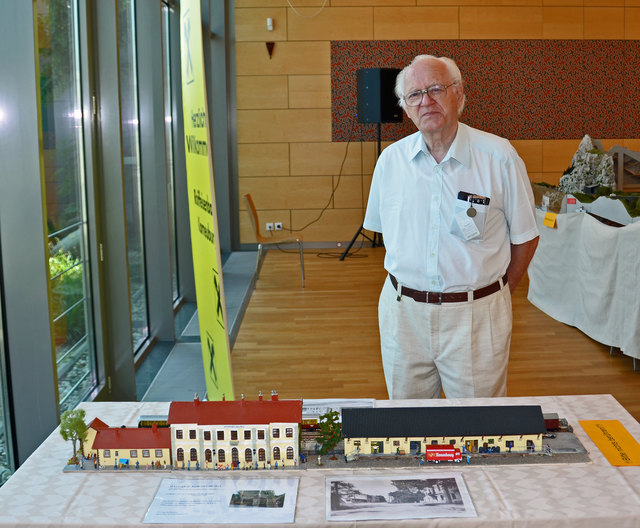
x=456, y=211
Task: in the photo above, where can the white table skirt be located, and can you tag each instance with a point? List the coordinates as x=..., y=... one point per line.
x=587, y=274
x=593, y=494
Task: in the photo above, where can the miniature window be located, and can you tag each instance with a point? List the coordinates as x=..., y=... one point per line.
x=356, y=443
x=261, y=434
x=276, y=453
x=133, y=453
x=289, y=453
x=107, y=453
x=178, y=433
x=221, y=457
x=180, y=454
x=276, y=433
x=192, y=434
x=145, y=453
x=396, y=443
x=452, y=442
x=116, y=454
x=158, y=453
x=261, y=455
x=193, y=454
x=491, y=441
x=247, y=435
x=234, y=435
x=220, y=435
x=248, y=456
x=207, y=435
x=434, y=442
x=234, y=455
x=288, y=432
x=208, y=456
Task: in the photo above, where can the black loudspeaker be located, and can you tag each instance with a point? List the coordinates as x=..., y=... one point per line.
x=377, y=102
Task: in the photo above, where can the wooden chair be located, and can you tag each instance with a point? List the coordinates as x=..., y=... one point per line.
x=280, y=238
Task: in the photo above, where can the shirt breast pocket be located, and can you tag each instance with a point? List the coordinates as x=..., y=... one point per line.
x=469, y=217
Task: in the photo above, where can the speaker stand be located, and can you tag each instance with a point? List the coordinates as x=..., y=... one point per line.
x=377, y=237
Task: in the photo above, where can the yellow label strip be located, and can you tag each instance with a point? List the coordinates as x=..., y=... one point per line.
x=614, y=441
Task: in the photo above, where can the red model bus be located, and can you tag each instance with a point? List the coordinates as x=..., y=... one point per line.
x=446, y=453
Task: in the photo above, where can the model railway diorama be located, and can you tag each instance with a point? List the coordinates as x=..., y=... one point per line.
x=271, y=434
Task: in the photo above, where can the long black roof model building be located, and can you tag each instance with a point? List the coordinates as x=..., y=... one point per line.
x=442, y=421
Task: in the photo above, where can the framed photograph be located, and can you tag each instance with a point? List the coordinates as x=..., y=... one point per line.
x=357, y=498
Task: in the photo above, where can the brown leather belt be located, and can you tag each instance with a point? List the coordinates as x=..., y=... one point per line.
x=440, y=297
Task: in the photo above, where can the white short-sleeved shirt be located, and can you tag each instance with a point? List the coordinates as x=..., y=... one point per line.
x=413, y=201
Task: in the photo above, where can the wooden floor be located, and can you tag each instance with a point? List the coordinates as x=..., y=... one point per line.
x=322, y=341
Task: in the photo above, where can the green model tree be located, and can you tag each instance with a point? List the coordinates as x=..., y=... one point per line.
x=72, y=427
x=330, y=432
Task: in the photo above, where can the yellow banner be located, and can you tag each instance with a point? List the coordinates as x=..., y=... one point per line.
x=202, y=211
x=614, y=441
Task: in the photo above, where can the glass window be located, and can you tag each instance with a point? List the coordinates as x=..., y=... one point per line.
x=132, y=176
x=220, y=435
x=6, y=446
x=133, y=453
x=207, y=435
x=192, y=434
x=62, y=151
x=247, y=434
x=167, y=12
x=179, y=433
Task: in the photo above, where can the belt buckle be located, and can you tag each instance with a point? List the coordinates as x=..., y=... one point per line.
x=439, y=294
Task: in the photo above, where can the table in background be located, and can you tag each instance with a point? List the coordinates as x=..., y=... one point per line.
x=587, y=274
x=591, y=494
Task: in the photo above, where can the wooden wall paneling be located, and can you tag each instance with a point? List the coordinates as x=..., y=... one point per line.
x=325, y=158
x=415, y=23
x=564, y=3
x=276, y=126
x=603, y=22
x=291, y=192
x=309, y=91
x=262, y=91
x=334, y=225
x=500, y=22
x=562, y=23
x=632, y=23
x=530, y=150
x=289, y=58
x=606, y=3
x=351, y=191
x=332, y=23
x=263, y=159
x=251, y=24
x=557, y=154
x=277, y=3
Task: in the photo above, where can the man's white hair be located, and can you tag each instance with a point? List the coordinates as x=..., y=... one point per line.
x=452, y=69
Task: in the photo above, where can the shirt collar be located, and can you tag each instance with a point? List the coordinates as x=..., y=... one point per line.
x=459, y=149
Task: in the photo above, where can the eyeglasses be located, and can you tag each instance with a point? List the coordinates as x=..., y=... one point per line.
x=435, y=91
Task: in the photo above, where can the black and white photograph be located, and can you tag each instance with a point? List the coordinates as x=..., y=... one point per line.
x=398, y=497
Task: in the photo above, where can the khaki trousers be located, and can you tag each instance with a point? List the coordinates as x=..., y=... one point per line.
x=459, y=348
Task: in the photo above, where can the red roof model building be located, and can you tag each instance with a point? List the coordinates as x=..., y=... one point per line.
x=133, y=438
x=238, y=412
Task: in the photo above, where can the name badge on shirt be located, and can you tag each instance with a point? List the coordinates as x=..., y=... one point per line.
x=467, y=226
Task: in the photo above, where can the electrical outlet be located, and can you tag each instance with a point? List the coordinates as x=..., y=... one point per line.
x=278, y=226
x=269, y=226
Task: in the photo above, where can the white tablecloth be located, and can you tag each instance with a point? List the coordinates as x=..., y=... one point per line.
x=587, y=274
x=593, y=494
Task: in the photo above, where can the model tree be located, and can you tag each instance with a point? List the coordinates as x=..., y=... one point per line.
x=72, y=427
x=330, y=432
